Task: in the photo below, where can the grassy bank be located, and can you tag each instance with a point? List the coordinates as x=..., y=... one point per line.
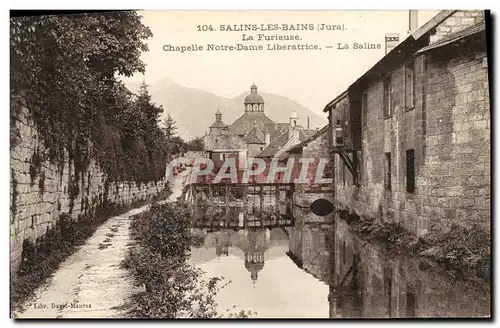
x=463, y=251
x=170, y=288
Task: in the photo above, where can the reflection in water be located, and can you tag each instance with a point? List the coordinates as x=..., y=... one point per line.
x=263, y=278
x=368, y=282
x=337, y=275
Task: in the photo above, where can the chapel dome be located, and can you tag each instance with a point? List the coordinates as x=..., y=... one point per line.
x=254, y=97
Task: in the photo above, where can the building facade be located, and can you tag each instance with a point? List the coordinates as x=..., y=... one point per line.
x=411, y=137
x=251, y=135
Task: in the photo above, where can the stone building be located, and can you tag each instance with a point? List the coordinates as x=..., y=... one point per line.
x=411, y=137
x=253, y=134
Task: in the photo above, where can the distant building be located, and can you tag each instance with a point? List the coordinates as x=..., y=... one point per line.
x=253, y=134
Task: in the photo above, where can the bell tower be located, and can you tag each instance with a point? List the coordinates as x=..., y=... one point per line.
x=254, y=103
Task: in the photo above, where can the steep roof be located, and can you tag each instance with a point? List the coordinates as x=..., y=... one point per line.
x=275, y=145
x=278, y=143
x=218, y=124
x=411, y=44
x=223, y=141
x=246, y=122
x=305, y=142
x=454, y=37
x=255, y=136
x=305, y=134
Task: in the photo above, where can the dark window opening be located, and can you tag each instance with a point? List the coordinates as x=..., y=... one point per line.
x=410, y=171
x=410, y=85
x=387, y=97
x=338, y=122
x=343, y=175
x=344, y=258
x=364, y=108
x=339, y=138
x=388, y=172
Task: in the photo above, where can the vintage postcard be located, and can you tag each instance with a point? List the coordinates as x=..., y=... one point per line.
x=250, y=164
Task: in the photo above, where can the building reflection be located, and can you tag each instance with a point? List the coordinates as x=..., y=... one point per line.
x=367, y=281
x=252, y=244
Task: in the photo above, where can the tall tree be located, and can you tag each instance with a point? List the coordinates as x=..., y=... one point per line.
x=66, y=69
x=195, y=144
x=169, y=127
x=146, y=106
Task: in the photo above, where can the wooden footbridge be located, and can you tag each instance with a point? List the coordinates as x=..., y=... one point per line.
x=240, y=206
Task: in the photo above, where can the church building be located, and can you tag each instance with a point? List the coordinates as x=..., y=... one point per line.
x=253, y=134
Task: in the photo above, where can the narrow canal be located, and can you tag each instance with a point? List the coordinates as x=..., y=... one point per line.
x=301, y=271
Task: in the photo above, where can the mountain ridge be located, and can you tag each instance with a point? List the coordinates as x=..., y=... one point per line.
x=194, y=109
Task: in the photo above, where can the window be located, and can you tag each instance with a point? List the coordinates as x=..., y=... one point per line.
x=410, y=85
x=387, y=97
x=410, y=171
x=339, y=138
x=388, y=174
x=364, y=108
x=344, y=248
x=343, y=175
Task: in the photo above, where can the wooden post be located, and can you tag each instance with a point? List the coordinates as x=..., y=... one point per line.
x=277, y=195
x=227, y=195
x=261, y=199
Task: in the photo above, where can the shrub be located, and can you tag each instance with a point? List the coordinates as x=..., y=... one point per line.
x=171, y=287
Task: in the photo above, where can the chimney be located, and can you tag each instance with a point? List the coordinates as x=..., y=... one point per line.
x=391, y=41
x=268, y=138
x=413, y=21
x=293, y=132
x=308, y=118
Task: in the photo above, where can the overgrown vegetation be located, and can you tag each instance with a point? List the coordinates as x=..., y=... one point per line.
x=171, y=287
x=195, y=144
x=42, y=257
x=66, y=70
x=464, y=251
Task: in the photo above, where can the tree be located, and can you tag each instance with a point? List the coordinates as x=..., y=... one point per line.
x=169, y=127
x=66, y=68
x=195, y=144
x=146, y=106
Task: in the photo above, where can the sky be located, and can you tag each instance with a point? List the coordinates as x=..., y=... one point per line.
x=311, y=78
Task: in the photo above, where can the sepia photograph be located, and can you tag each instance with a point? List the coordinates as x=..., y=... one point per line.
x=250, y=164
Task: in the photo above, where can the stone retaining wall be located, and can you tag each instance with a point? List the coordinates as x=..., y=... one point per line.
x=40, y=191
